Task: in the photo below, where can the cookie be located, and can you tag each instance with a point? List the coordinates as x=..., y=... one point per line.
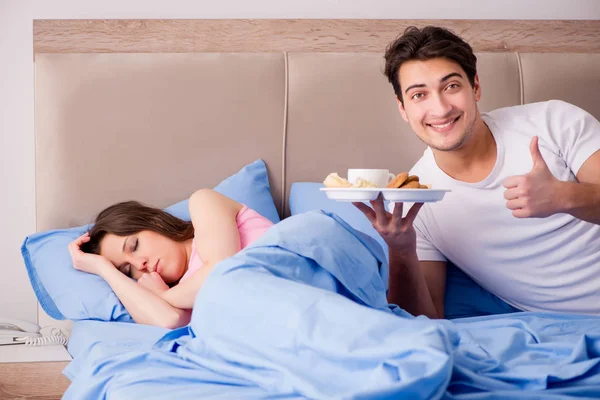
x=333, y=180
x=421, y=186
x=411, y=185
x=411, y=178
x=398, y=180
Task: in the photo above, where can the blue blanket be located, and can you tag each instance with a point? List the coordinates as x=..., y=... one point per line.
x=302, y=313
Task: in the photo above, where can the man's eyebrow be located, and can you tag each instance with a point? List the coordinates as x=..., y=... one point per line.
x=445, y=78
x=414, y=86
x=451, y=75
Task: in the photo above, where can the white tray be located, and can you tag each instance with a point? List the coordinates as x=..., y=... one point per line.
x=394, y=195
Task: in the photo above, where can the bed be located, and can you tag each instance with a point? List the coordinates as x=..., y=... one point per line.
x=153, y=110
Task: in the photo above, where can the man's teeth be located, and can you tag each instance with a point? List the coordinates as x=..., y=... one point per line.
x=442, y=126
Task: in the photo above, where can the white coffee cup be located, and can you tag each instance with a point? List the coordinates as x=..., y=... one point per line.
x=379, y=177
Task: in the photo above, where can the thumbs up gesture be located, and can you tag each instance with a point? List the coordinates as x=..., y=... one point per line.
x=534, y=194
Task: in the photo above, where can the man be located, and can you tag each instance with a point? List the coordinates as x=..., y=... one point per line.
x=523, y=216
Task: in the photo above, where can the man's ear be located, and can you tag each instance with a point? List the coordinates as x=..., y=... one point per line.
x=402, y=110
x=477, y=88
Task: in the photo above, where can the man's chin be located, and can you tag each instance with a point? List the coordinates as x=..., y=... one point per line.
x=447, y=146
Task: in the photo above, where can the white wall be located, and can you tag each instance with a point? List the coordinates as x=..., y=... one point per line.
x=17, y=173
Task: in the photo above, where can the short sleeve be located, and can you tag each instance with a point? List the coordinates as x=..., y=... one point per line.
x=426, y=250
x=575, y=131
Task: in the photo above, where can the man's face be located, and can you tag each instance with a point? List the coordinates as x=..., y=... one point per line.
x=439, y=102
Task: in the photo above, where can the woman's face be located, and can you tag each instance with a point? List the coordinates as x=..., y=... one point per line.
x=146, y=252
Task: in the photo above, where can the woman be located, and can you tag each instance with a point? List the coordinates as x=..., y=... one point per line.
x=168, y=257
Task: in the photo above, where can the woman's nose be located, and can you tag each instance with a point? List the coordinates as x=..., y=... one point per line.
x=140, y=264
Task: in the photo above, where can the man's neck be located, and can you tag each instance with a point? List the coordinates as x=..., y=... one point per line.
x=475, y=160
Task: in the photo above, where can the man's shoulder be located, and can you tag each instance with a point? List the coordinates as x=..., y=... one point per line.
x=529, y=110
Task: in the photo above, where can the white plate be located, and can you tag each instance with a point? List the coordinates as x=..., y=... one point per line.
x=395, y=195
x=351, y=194
x=414, y=195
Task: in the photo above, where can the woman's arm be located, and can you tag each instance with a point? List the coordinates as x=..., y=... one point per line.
x=143, y=306
x=214, y=217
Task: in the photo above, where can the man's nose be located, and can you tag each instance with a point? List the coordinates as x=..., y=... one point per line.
x=441, y=106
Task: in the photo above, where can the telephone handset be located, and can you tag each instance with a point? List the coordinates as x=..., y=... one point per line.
x=15, y=331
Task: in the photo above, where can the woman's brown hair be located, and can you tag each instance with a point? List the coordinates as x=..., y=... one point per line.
x=131, y=217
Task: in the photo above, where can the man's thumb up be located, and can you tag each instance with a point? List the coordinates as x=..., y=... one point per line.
x=536, y=155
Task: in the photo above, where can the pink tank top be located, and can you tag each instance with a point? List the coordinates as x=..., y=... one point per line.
x=251, y=226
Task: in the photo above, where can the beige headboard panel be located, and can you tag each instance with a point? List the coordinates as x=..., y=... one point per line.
x=151, y=127
x=113, y=123
x=572, y=77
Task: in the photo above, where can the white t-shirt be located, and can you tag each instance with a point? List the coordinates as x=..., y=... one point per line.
x=535, y=264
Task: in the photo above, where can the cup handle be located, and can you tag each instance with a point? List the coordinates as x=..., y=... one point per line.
x=390, y=177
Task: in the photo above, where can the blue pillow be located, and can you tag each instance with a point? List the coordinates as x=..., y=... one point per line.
x=64, y=292
x=306, y=196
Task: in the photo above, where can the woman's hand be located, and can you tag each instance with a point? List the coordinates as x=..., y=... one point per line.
x=153, y=282
x=86, y=262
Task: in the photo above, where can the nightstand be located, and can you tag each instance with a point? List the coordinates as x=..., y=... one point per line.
x=33, y=372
